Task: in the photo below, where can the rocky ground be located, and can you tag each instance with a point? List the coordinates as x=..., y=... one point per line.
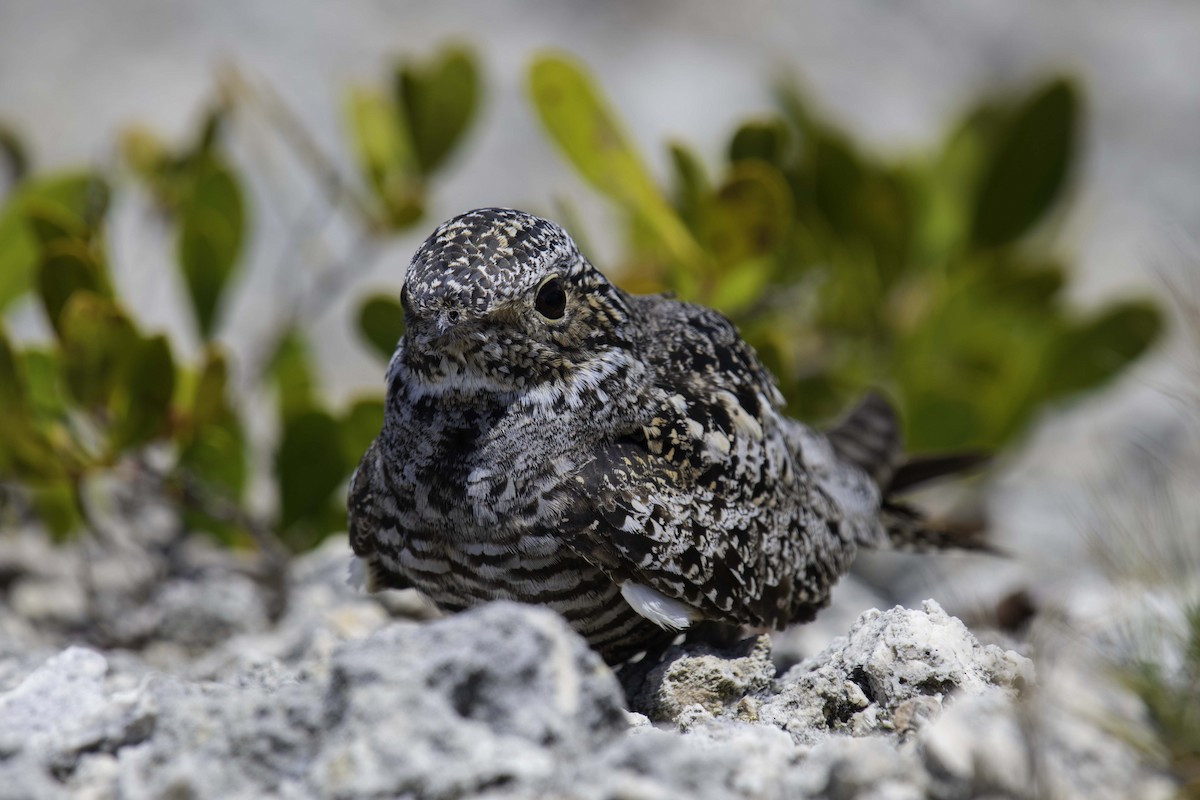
x=130, y=670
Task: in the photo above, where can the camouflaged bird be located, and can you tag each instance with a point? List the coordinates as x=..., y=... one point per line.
x=624, y=460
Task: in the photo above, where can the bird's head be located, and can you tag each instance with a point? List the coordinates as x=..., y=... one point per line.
x=498, y=300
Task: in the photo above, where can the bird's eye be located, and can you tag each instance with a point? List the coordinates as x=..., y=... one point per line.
x=551, y=300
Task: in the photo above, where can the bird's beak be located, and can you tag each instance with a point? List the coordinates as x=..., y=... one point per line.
x=454, y=338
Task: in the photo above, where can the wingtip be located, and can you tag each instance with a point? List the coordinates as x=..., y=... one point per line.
x=908, y=529
x=869, y=437
x=917, y=471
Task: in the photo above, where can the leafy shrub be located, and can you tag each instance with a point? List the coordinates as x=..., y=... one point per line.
x=931, y=275
x=103, y=390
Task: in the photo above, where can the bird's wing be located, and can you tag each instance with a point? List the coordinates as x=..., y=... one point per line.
x=366, y=519
x=360, y=505
x=869, y=437
x=707, y=503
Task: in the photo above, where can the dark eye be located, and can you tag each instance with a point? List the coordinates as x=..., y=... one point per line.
x=551, y=300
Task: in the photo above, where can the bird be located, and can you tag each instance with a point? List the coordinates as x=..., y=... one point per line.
x=626, y=460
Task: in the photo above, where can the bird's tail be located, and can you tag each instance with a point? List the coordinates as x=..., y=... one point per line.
x=869, y=437
x=910, y=530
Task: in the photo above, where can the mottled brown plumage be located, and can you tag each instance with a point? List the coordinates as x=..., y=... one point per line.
x=624, y=460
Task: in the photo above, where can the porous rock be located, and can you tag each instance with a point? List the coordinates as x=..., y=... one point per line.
x=703, y=677
x=891, y=670
x=505, y=695
x=339, y=699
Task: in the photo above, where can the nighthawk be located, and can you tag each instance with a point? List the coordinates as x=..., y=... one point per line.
x=623, y=459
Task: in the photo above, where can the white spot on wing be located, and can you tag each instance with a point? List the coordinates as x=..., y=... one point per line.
x=744, y=424
x=716, y=446
x=664, y=612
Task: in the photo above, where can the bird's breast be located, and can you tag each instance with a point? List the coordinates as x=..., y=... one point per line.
x=479, y=474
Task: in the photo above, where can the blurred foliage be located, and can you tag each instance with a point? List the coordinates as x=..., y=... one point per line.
x=102, y=386
x=103, y=390
x=933, y=276
x=403, y=136
x=1171, y=696
x=381, y=322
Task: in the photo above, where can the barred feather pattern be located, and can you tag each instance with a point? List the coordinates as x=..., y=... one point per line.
x=630, y=448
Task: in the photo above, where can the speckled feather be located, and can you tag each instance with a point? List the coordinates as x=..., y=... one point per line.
x=636, y=444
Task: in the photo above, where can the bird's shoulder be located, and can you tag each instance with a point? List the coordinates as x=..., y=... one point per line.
x=688, y=500
x=709, y=395
x=690, y=344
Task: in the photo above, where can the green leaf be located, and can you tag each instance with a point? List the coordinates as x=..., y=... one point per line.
x=12, y=384
x=946, y=186
x=379, y=142
x=43, y=374
x=214, y=447
x=385, y=156
x=793, y=100
x=83, y=196
x=214, y=451
x=587, y=132
x=855, y=209
x=52, y=224
x=438, y=101
x=749, y=216
x=97, y=339
x=1030, y=286
x=310, y=465
x=359, y=426
x=210, y=130
x=24, y=448
x=145, y=153
x=838, y=174
x=291, y=371
x=1029, y=166
x=764, y=140
x=381, y=323
x=142, y=405
x=67, y=268
x=739, y=289
x=216, y=457
x=42, y=210
x=18, y=255
x=212, y=229
x=939, y=423
x=691, y=185
x=1097, y=350
x=57, y=506
x=210, y=402
x=866, y=205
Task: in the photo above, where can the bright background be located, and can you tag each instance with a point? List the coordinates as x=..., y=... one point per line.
x=73, y=74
